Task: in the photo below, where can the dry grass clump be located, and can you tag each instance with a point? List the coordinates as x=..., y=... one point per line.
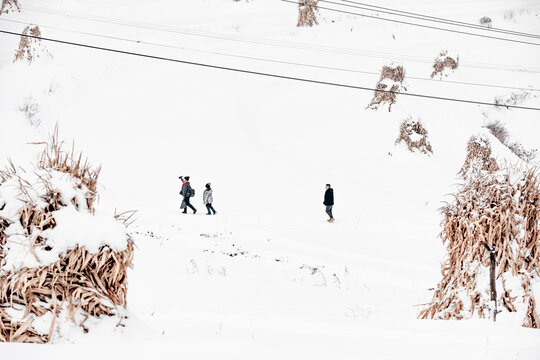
x=307, y=10
x=486, y=21
x=80, y=281
x=524, y=154
x=413, y=133
x=9, y=5
x=499, y=131
x=80, y=284
x=30, y=109
x=29, y=47
x=504, y=214
x=514, y=98
x=443, y=62
x=498, y=209
x=478, y=157
x=390, y=83
x=55, y=158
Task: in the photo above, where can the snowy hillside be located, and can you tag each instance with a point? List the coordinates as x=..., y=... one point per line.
x=268, y=277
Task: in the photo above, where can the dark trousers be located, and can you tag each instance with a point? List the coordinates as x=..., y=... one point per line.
x=210, y=207
x=188, y=205
x=329, y=211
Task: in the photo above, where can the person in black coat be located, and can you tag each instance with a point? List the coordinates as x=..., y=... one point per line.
x=329, y=201
x=186, y=191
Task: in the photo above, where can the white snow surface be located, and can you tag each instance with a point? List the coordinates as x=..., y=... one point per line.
x=268, y=277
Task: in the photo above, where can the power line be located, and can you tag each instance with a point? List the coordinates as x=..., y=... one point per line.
x=438, y=19
x=265, y=59
x=415, y=24
x=251, y=72
x=269, y=42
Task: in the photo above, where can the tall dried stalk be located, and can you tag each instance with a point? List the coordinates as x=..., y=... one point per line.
x=478, y=157
x=9, y=5
x=29, y=47
x=502, y=210
x=413, y=133
x=80, y=283
x=390, y=83
x=307, y=10
x=444, y=62
x=54, y=157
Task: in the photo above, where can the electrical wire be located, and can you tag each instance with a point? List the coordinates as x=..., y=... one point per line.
x=414, y=15
x=265, y=59
x=270, y=75
x=269, y=42
x=415, y=24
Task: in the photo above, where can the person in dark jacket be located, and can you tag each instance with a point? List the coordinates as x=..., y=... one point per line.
x=329, y=201
x=208, y=199
x=186, y=191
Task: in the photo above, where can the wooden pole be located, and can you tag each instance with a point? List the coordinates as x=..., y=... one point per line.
x=493, y=285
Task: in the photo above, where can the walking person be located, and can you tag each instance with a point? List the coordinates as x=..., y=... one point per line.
x=208, y=199
x=187, y=192
x=329, y=202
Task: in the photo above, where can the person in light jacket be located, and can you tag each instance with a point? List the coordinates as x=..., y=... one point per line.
x=329, y=201
x=186, y=191
x=208, y=199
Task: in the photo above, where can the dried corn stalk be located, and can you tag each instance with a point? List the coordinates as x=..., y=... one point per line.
x=502, y=209
x=413, y=133
x=30, y=48
x=307, y=10
x=478, y=157
x=9, y=5
x=390, y=83
x=80, y=284
x=486, y=21
x=443, y=62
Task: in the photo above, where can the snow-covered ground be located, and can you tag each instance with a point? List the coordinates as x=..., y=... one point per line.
x=268, y=277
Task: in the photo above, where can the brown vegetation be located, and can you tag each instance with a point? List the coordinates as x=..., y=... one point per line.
x=500, y=209
x=29, y=47
x=413, y=133
x=386, y=93
x=9, y=5
x=499, y=131
x=444, y=62
x=478, y=157
x=79, y=283
x=307, y=10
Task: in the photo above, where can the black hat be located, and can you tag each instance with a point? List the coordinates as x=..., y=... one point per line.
x=328, y=185
x=186, y=177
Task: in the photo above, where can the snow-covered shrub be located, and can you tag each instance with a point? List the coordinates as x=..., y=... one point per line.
x=515, y=98
x=391, y=82
x=444, y=64
x=499, y=131
x=307, y=13
x=30, y=109
x=486, y=21
x=30, y=48
x=479, y=157
x=502, y=210
x=413, y=133
x=60, y=261
x=509, y=15
x=9, y=5
x=527, y=155
x=496, y=208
